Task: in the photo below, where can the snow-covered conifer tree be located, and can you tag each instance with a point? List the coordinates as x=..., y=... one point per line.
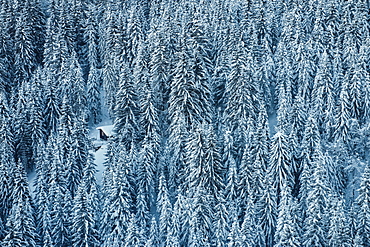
x=363, y=201
x=339, y=232
x=280, y=164
x=85, y=210
x=287, y=228
x=164, y=208
x=20, y=224
x=118, y=202
x=317, y=214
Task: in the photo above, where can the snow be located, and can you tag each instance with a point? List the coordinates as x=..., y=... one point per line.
x=31, y=182
x=106, y=125
x=99, y=161
x=272, y=119
x=99, y=155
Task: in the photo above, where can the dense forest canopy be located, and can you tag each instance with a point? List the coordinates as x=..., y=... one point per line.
x=236, y=123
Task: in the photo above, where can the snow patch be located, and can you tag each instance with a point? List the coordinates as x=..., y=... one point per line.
x=272, y=123
x=99, y=156
x=31, y=182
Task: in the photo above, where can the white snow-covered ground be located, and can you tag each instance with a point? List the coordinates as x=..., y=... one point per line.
x=99, y=161
x=272, y=124
x=31, y=181
x=99, y=155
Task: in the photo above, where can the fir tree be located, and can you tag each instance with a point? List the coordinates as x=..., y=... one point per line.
x=117, y=204
x=20, y=226
x=248, y=227
x=281, y=162
x=6, y=163
x=164, y=208
x=239, y=95
x=126, y=110
x=266, y=212
x=234, y=238
x=363, y=209
x=315, y=224
x=338, y=234
x=85, y=210
x=287, y=229
x=153, y=239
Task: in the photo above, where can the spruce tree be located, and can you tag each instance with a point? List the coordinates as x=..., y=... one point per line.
x=6, y=163
x=35, y=112
x=93, y=82
x=164, y=208
x=150, y=129
x=235, y=238
x=60, y=199
x=159, y=63
x=203, y=162
x=126, y=110
x=280, y=164
x=287, y=228
x=25, y=50
x=323, y=96
x=133, y=237
x=363, y=201
x=221, y=222
x=266, y=212
x=51, y=111
x=238, y=91
x=118, y=202
x=339, y=232
x=316, y=221
x=341, y=127
x=6, y=60
x=249, y=225
x=41, y=191
x=20, y=225
x=85, y=210
x=189, y=106
x=153, y=239
x=23, y=151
